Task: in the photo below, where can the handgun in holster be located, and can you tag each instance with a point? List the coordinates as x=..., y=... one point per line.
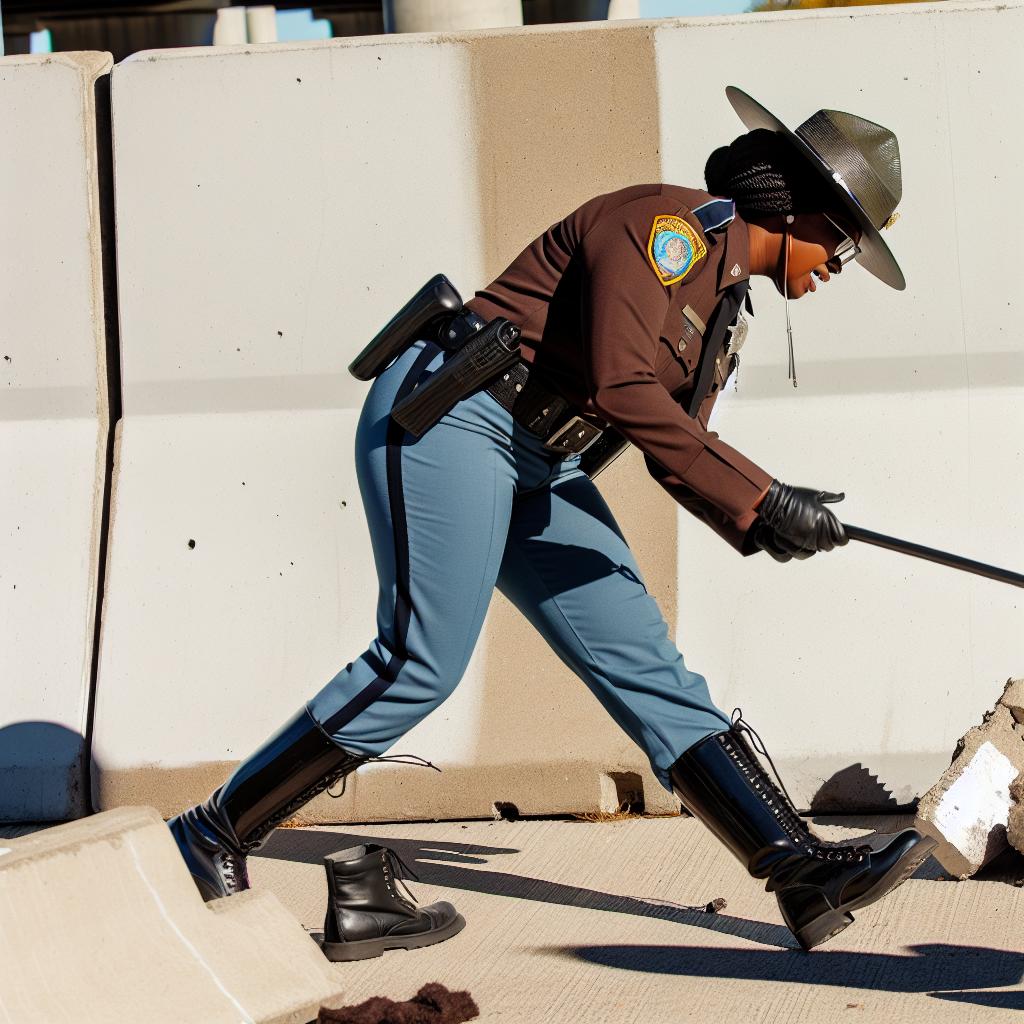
x=420, y=317
x=479, y=354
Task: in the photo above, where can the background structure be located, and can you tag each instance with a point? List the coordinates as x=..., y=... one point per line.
x=275, y=204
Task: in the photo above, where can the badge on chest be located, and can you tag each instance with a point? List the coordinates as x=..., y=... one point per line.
x=693, y=327
x=674, y=248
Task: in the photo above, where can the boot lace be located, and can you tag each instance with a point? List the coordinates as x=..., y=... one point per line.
x=399, y=871
x=342, y=772
x=232, y=870
x=822, y=849
x=414, y=759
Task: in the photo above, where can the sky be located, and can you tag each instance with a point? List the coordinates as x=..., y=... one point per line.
x=676, y=8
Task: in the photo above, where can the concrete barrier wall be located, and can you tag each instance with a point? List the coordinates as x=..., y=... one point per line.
x=285, y=207
x=276, y=204
x=53, y=426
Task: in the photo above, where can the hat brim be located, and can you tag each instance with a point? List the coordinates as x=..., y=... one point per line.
x=875, y=256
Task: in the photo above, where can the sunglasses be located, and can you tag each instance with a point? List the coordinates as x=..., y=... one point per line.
x=846, y=251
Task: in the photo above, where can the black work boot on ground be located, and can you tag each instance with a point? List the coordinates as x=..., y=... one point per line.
x=367, y=915
x=817, y=884
x=299, y=761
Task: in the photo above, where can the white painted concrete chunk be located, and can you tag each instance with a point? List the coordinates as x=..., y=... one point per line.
x=102, y=915
x=968, y=810
x=977, y=803
x=53, y=425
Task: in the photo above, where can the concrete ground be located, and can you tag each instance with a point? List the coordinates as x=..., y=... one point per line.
x=604, y=923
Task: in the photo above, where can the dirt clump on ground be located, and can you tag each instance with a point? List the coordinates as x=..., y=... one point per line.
x=433, y=1004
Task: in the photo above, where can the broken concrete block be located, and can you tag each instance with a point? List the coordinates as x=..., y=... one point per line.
x=967, y=810
x=100, y=921
x=1015, y=823
x=1013, y=698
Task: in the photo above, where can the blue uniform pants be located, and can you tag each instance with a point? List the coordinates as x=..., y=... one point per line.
x=477, y=502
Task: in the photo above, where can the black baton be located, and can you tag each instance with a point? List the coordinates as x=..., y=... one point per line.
x=905, y=547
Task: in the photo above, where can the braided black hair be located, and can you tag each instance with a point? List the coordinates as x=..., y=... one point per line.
x=765, y=174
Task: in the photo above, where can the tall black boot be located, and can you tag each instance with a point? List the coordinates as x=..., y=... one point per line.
x=367, y=915
x=299, y=761
x=817, y=883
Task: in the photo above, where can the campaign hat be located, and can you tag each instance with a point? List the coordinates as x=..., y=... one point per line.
x=859, y=160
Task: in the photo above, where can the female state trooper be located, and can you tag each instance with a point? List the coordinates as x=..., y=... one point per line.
x=624, y=309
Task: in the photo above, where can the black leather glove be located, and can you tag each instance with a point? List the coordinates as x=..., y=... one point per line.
x=794, y=522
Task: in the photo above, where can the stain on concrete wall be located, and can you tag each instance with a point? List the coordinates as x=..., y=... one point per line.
x=562, y=118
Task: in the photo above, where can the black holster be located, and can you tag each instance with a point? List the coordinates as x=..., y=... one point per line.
x=420, y=317
x=481, y=350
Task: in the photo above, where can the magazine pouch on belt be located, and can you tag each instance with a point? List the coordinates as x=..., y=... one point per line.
x=485, y=354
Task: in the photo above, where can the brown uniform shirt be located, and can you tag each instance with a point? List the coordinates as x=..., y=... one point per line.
x=603, y=329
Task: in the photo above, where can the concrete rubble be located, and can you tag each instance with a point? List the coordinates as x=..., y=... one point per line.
x=975, y=811
x=1015, y=822
x=100, y=921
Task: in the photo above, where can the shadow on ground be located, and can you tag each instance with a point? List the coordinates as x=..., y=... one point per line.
x=997, y=1000
x=1007, y=867
x=442, y=864
x=941, y=970
x=855, y=789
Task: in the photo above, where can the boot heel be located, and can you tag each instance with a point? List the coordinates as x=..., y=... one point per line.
x=821, y=928
x=345, y=952
x=810, y=916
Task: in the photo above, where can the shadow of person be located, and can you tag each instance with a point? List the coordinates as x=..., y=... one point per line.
x=441, y=863
x=42, y=776
x=935, y=968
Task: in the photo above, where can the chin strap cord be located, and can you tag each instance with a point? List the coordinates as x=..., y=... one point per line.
x=785, y=296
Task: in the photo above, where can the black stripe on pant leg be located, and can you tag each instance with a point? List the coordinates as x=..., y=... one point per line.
x=403, y=596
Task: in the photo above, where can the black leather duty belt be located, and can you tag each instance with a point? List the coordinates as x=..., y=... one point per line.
x=544, y=413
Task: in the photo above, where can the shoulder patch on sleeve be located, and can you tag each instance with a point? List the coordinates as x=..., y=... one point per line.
x=674, y=248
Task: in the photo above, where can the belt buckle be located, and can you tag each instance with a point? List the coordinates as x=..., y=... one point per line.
x=573, y=437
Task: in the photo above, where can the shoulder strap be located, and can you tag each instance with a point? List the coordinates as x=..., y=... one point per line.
x=715, y=215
